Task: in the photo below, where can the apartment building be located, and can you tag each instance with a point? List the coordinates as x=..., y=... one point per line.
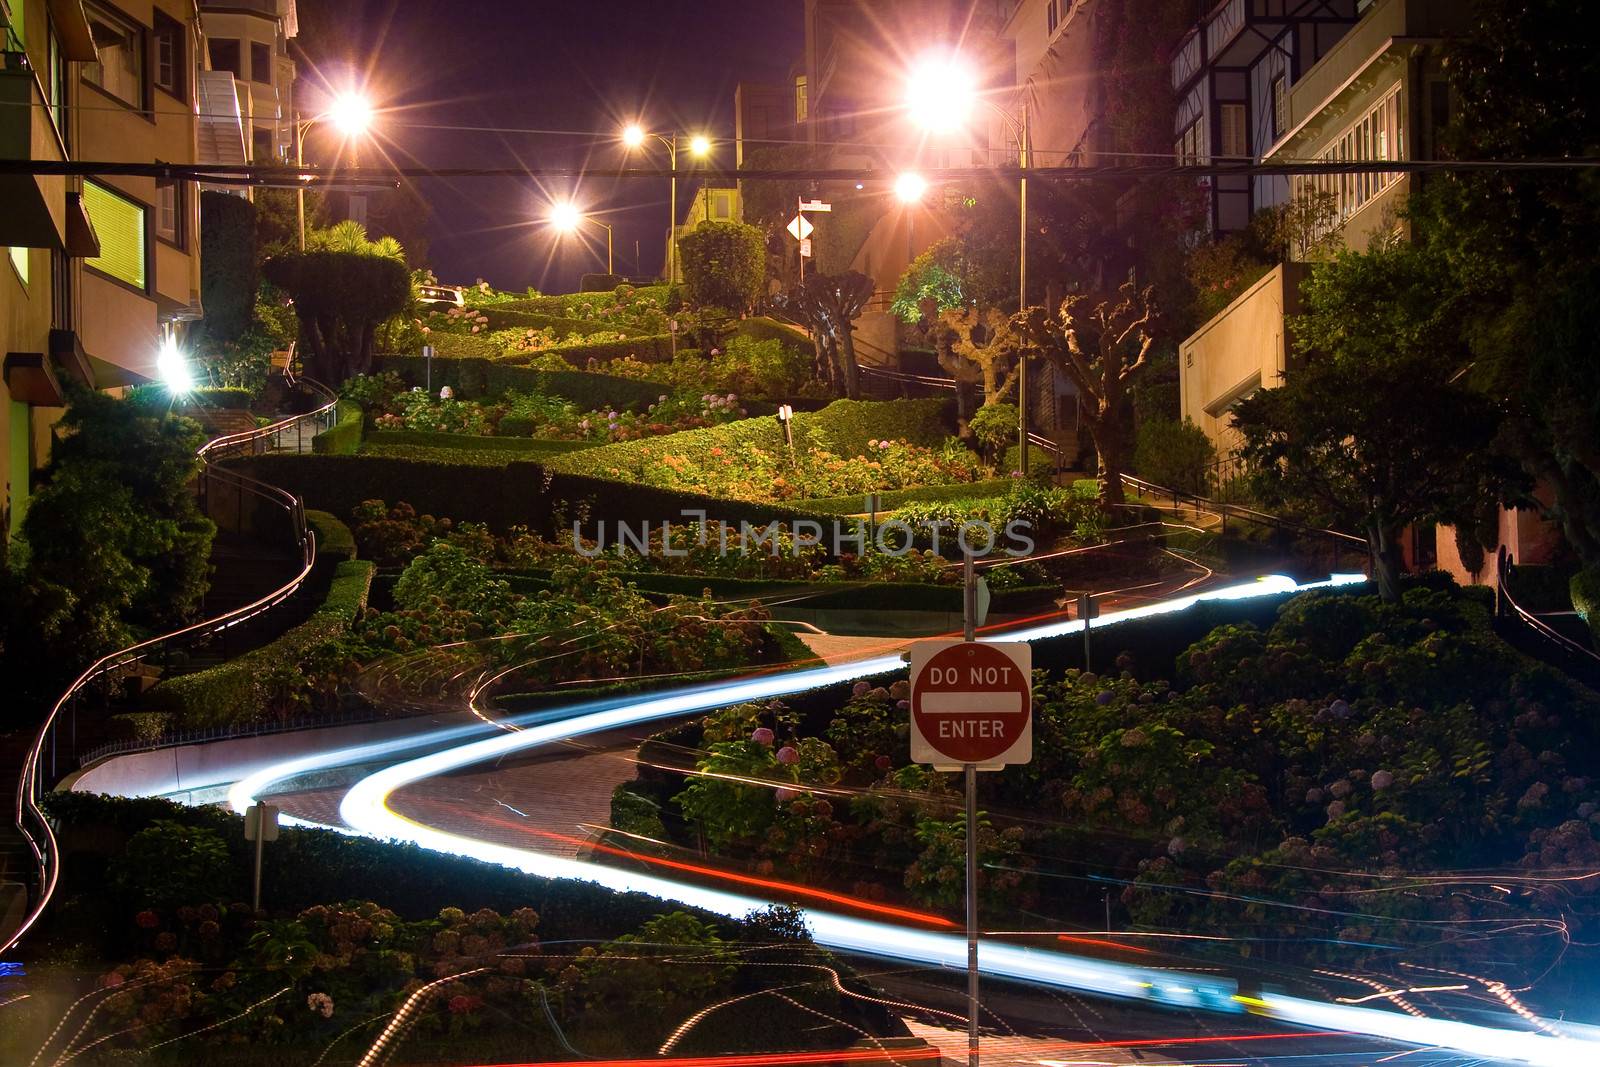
x=100, y=268
x=249, y=39
x=1378, y=93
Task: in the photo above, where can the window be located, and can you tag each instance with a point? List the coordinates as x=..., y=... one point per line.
x=1235, y=142
x=801, y=108
x=722, y=205
x=57, y=88
x=1052, y=16
x=1280, y=106
x=261, y=146
x=120, y=225
x=169, y=211
x=19, y=261
x=1379, y=134
x=260, y=63
x=120, y=70
x=225, y=56
x=1187, y=147
x=170, y=55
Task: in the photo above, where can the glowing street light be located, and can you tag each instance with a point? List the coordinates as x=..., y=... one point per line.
x=351, y=114
x=910, y=187
x=634, y=136
x=941, y=92
x=171, y=367
x=566, y=217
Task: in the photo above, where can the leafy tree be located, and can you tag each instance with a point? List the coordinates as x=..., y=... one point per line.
x=1101, y=344
x=1524, y=247
x=931, y=283
x=829, y=304
x=994, y=426
x=1377, y=431
x=228, y=267
x=114, y=539
x=342, y=293
x=724, y=265
x=1174, y=454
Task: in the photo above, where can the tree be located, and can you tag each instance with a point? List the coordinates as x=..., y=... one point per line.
x=1101, y=344
x=1524, y=248
x=931, y=283
x=724, y=265
x=228, y=268
x=341, y=297
x=1377, y=431
x=829, y=304
x=968, y=337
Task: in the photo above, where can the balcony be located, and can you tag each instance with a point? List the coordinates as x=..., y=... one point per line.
x=35, y=214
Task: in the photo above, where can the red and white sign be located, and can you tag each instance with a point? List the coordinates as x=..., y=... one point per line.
x=971, y=702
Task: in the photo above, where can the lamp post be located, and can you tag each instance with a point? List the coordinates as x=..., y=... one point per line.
x=352, y=114
x=634, y=136
x=940, y=95
x=566, y=218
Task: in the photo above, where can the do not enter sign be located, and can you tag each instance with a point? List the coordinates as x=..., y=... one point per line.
x=971, y=703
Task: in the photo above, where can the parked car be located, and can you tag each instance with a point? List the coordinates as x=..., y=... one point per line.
x=440, y=297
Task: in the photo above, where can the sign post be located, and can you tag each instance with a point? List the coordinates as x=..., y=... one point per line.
x=971, y=707
x=260, y=826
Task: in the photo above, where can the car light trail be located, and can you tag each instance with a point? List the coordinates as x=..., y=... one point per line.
x=365, y=809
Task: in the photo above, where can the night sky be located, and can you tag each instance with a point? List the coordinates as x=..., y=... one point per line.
x=540, y=65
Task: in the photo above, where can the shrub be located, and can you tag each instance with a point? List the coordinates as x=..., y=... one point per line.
x=760, y=328
x=344, y=436
x=934, y=275
x=1586, y=597
x=228, y=272
x=724, y=265
x=335, y=542
x=582, y=353
x=1175, y=455
x=245, y=689
x=994, y=426
x=476, y=378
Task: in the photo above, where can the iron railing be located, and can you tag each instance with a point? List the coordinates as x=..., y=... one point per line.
x=1226, y=511
x=224, y=494
x=1557, y=649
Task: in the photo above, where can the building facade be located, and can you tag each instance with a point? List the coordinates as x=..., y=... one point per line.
x=99, y=269
x=249, y=39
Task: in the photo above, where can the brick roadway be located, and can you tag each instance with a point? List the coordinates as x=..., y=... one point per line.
x=548, y=800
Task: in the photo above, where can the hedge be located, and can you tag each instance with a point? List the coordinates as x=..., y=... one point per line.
x=344, y=436
x=844, y=427
x=518, y=493
x=229, y=276
x=335, y=542
x=306, y=867
x=599, y=283
x=459, y=346
x=503, y=318
x=496, y=458
x=477, y=379
x=239, y=690
x=761, y=328
x=227, y=396
x=428, y=439
x=894, y=498
x=563, y=305
x=651, y=348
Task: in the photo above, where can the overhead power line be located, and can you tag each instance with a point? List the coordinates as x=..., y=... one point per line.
x=295, y=176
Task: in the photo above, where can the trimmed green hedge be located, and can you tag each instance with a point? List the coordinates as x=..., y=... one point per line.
x=894, y=498
x=335, y=542
x=426, y=439
x=844, y=427
x=503, y=318
x=761, y=328
x=239, y=690
x=563, y=305
x=222, y=396
x=652, y=348
x=478, y=379
x=461, y=346
x=516, y=493
x=459, y=457
x=344, y=436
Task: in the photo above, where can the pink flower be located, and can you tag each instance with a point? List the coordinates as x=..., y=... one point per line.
x=147, y=920
x=761, y=735
x=788, y=754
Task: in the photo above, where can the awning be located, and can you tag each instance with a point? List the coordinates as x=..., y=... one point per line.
x=30, y=379
x=72, y=27
x=82, y=241
x=111, y=375
x=66, y=348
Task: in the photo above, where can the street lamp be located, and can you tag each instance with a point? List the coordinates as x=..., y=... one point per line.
x=940, y=95
x=171, y=367
x=910, y=187
x=635, y=136
x=351, y=114
x=566, y=218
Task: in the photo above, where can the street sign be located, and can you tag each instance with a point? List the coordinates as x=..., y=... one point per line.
x=805, y=248
x=800, y=227
x=815, y=205
x=253, y=821
x=971, y=703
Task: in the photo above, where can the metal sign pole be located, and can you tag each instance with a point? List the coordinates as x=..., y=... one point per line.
x=970, y=772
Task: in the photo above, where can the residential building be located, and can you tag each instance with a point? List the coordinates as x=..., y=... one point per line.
x=1233, y=74
x=1378, y=93
x=98, y=268
x=763, y=116
x=249, y=39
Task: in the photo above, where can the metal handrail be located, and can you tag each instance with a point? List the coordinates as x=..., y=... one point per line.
x=1224, y=509
x=1503, y=566
x=41, y=837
